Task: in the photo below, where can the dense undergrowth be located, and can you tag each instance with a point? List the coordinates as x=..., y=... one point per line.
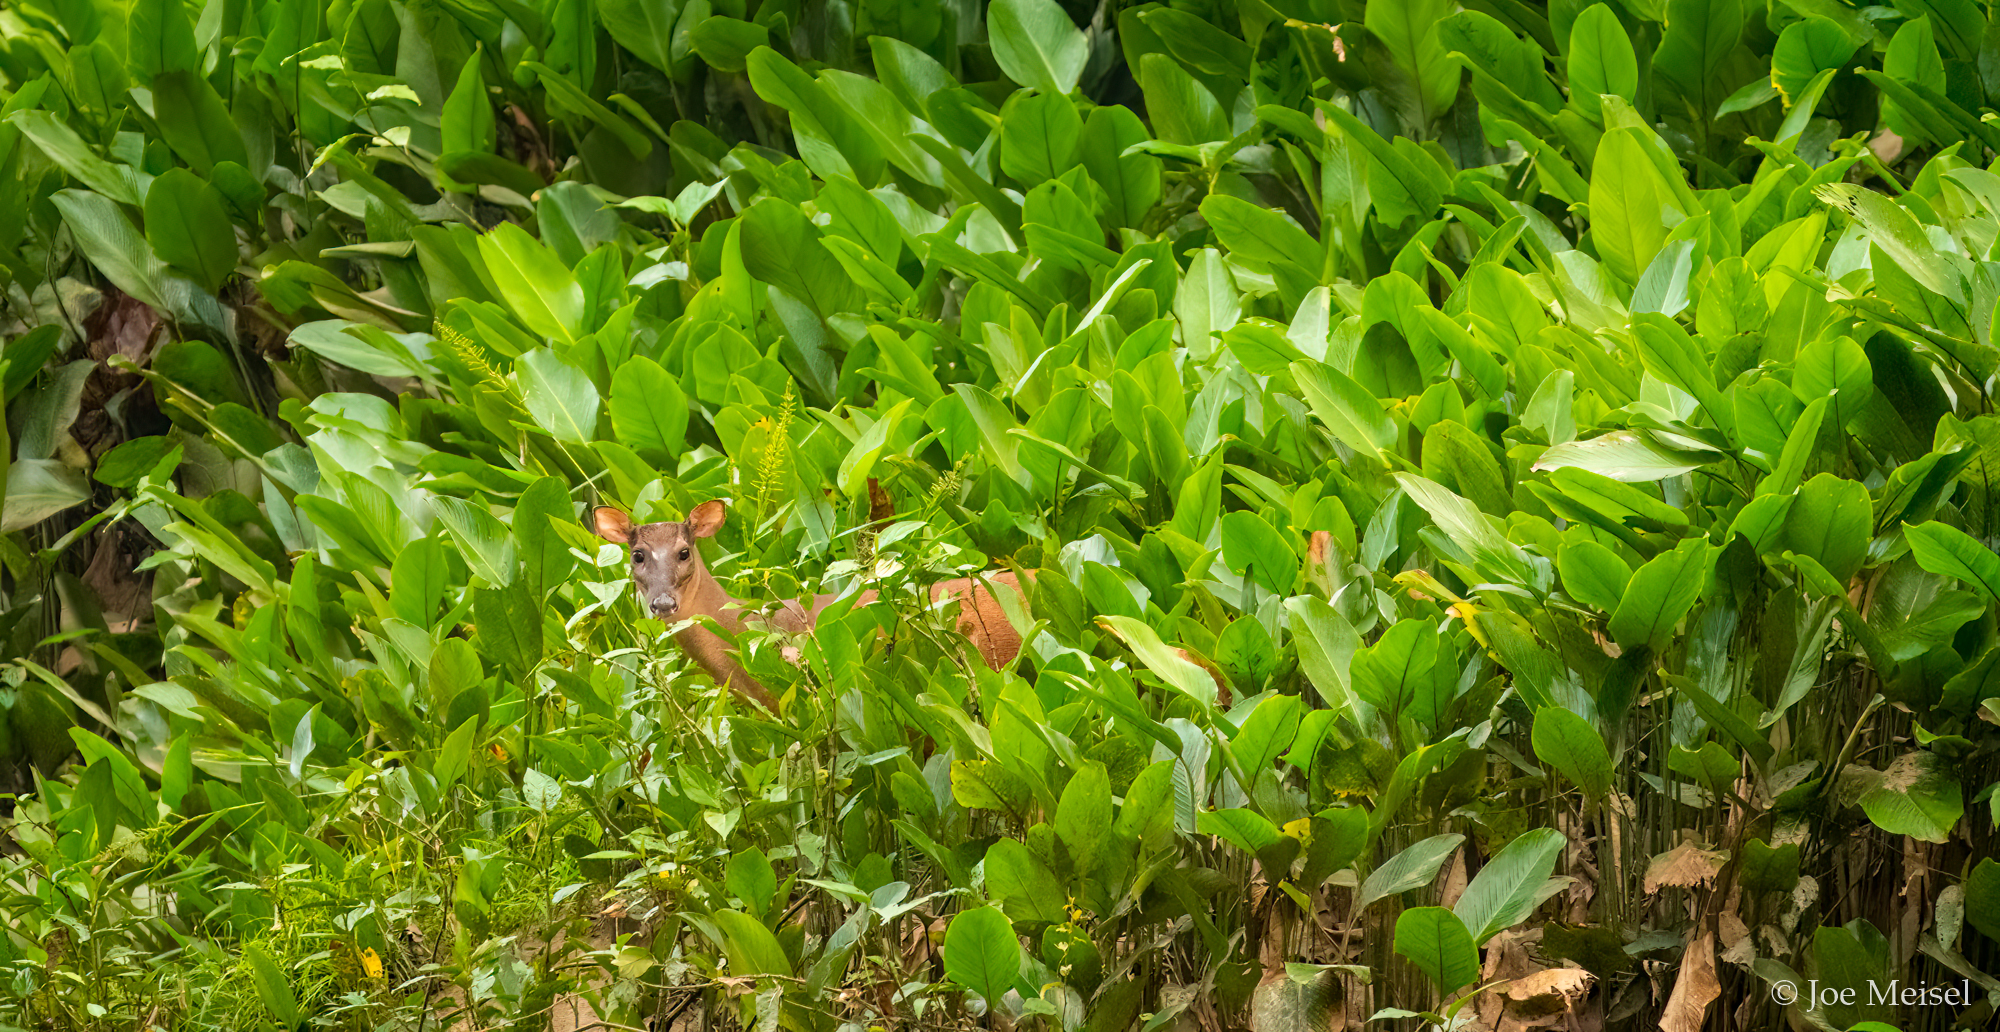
x=1510, y=490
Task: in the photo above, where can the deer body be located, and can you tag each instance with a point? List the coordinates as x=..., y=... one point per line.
x=675, y=584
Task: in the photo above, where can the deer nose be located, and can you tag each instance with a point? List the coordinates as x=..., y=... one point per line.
x=664, y=604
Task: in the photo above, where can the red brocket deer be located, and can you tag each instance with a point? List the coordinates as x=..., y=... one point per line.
x=675, y=585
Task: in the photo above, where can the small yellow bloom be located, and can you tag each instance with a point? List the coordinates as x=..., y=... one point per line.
x=371, y=963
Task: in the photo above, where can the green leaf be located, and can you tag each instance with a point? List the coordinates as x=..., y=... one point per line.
x=1698, y=38
x=1951, y=552
x=648, y=411
x=1348, y=409
x=1661, y=592
x=1624, y=455
x=1601, y=59
x=1805, y=49
x=1838, y=365
x=559, y=396
x=1182, y=110
x=1633, y=207
x=1266, y=733
x=544, y=555
x=1083, y=816
x=782, y=247
x=38, y=489
x=1038, y=139
x=1035, y=44
x=121, y=183
x=1918, y=795
x=1398, y=673
x=467, y=121
x=1435, y=940
x=1412, y=868
x=645, y=27
x=1593, y=574
x=1982, y=898
x=1256, y=232
x=1251, y=546
x=1181, y=674
x=1409, y=30
x=1023, y=884
x=751, y=879
x=194, y=121
x=1509, y=886
x=160, y=39
x=534, y=282
x=1831, y=520
x=1569, y=744
x=1768, y=869
x=188, y=229
x=981, y=953
x=726, y=43
x=273, y=988
x=510, y=626
x=751, y=948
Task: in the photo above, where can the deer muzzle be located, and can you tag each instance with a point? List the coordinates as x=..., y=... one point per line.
x=664, y=604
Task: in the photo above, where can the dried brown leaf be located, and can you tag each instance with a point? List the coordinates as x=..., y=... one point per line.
x=1694, y=990
x=1683, y=866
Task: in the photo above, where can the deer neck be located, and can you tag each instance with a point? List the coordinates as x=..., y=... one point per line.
x=710, y=651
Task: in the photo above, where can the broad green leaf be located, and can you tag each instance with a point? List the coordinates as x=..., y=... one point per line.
x=782, y=247
x=1039, y=133
x=1982, y=898
x=1252, y=547
x=1435, y=940
x=1083, y=816
x=194, y=121
x=1946, y=550
x=981, y=952
x=273, y=987
x=467, y=120
x=1035, y=44
x=1918, y=795
x=535, y=284
x=1633, y=208
x=1627, y=456
x=751, y=948
x=1398, y=673
x=1601, y=59
x=559, y=396
x=1574, y=748
x=1164, y=661
x=648, y=411
x=1661, y=592
x=1023, y=884
x=1412, y=868
x=38, y=489
x=121, y=183
x=1831, y=520
x=1410, y=32
x=1805, y=49
x=1509, y=886
x=751, y=879
x=1593, y=574
x=188, y=229
x=1698, y=37
x=1349, y=411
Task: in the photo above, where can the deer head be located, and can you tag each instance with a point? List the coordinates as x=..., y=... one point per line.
x=666, y=565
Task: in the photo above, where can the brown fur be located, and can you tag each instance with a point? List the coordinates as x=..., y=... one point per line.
x=675, y=584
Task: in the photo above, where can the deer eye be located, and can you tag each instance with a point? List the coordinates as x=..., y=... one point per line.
x=638, y=557
x=684, y=555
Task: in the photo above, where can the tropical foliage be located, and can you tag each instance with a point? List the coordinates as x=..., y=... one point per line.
x=1509, y=490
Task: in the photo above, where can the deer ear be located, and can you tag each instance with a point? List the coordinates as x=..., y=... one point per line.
x=707, y=518
x=612, y=525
